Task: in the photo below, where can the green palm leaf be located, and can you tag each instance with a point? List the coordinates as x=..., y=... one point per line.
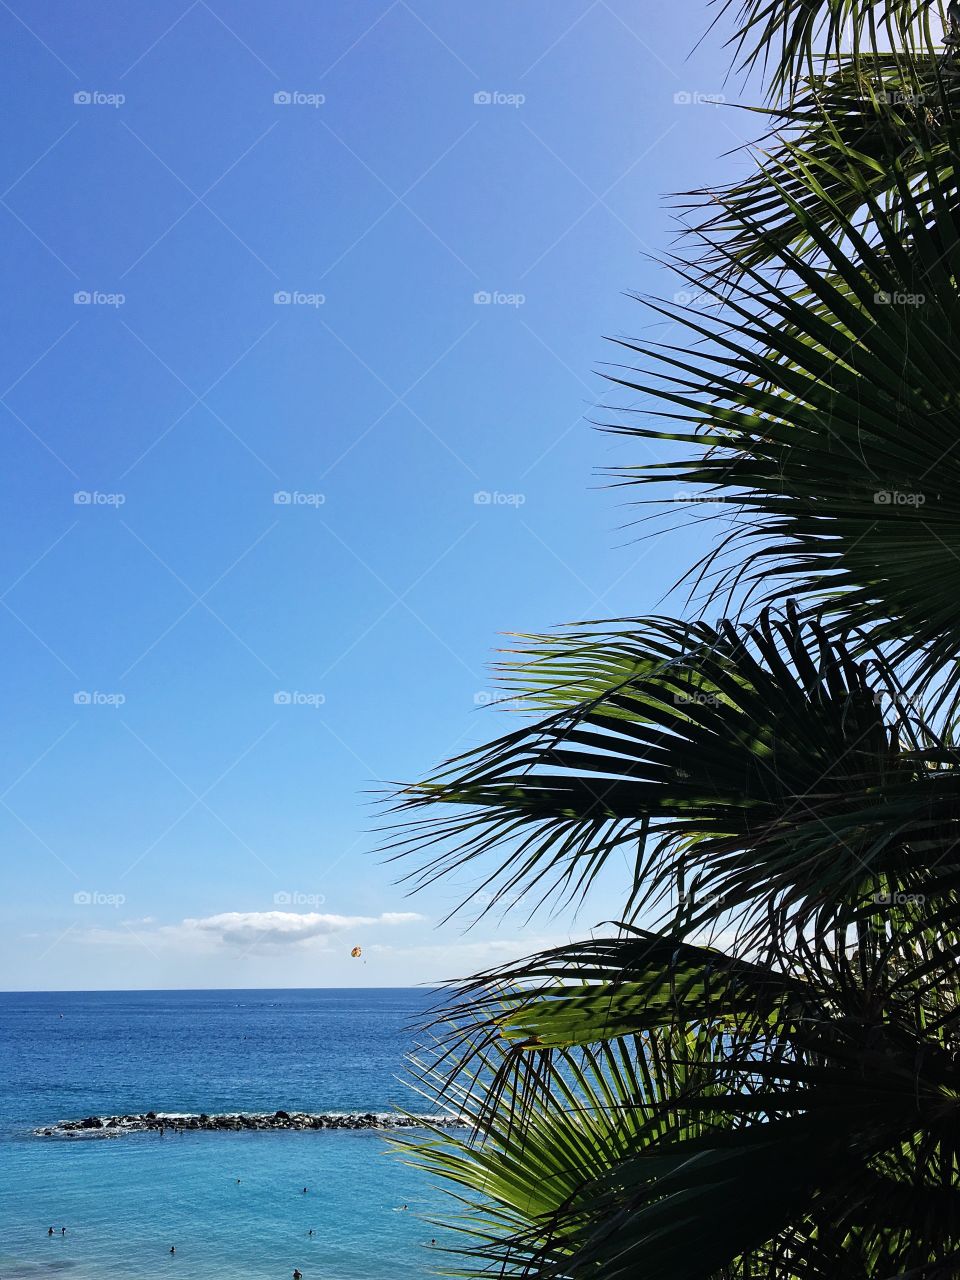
x=751, y=774
x=820, y=407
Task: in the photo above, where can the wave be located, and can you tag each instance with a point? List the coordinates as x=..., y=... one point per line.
x=109, y=1126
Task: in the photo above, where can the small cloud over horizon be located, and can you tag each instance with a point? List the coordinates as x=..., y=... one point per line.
x=242, y=928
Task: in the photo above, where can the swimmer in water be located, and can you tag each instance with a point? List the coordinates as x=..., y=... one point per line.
x=50, y=1231
x=173, y=1248
x=304, y=1190
x=297, y=1274
x=63, y=1231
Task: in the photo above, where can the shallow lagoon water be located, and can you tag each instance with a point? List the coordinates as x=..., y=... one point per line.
x=125, y=1200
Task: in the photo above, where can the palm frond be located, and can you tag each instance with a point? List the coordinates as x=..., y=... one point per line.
x=819, y=408
x=749, y=774
x=786, y=39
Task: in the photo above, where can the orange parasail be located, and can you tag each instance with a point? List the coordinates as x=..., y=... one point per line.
x=356, y=953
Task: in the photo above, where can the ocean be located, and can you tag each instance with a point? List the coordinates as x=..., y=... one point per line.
x=230, y=1204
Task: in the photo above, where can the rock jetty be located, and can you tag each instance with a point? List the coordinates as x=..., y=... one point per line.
x=110, y=1126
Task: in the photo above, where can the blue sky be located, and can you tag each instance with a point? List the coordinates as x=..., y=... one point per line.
x=361, y=256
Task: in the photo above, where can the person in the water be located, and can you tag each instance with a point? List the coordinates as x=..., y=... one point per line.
x=297, y=1274
x=63, y=1231
x=173, y=1248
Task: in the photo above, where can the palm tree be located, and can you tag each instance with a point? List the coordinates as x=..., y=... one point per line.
x=755, y=1072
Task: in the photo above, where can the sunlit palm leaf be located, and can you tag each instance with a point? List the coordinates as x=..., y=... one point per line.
x=751, y=772
x=788, y=37
x=860, y=129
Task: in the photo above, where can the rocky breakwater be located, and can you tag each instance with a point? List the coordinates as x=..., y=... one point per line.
x=111, y=1126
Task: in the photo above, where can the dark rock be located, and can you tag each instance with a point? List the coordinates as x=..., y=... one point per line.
x=233, y=1123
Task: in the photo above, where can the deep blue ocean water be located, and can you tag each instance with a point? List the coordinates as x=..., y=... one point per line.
x=125, y=1200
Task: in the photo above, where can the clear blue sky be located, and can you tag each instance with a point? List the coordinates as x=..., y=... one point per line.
x=182, y=587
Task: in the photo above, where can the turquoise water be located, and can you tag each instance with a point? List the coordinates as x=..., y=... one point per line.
x=125, y=1200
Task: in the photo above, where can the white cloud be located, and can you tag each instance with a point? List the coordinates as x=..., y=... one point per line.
x=247, y=930
x=242, y=928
